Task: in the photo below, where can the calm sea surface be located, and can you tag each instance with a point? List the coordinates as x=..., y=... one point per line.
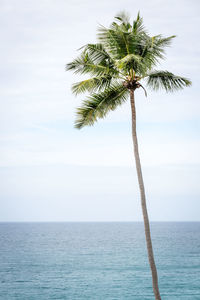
x=97, y=261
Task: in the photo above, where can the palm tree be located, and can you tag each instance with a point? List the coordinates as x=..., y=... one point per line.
x=124, y=56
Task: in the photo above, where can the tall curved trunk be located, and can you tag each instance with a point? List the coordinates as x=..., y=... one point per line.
x=143, y=201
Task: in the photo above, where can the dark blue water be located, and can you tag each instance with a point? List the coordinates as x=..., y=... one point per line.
x=97, y=261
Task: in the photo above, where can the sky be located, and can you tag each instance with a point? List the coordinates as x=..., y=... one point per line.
x=50, y=171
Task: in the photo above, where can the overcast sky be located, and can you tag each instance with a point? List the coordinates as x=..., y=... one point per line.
x=50, y=171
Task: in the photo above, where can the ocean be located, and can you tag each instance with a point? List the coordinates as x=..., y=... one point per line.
x=105, y=261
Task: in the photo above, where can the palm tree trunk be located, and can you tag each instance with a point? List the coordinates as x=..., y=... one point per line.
x=143, y=201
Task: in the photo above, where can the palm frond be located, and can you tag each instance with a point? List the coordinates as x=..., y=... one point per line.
x=164, y=79
x=114, y=40
x=155, y=46
x=85, y=65
x=138, y=26
x=132, y=63
x=123, y=17
x=129, y=59
x=164, y=42
x=97, y=53
x=152, y=50
x=91, y=84
x=99, y=104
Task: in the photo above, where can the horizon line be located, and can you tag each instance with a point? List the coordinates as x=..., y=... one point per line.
x=183, y=221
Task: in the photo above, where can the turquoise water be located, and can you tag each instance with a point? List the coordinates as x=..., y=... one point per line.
x=97, y=261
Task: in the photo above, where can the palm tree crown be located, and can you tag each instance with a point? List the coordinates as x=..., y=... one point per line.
x=125, y=56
